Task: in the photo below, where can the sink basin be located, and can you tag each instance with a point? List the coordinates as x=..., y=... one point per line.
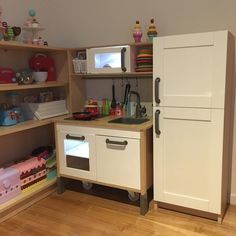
x=129, y=120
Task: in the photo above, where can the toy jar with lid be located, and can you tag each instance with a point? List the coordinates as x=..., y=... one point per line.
x=137, y=33
x=152, y=32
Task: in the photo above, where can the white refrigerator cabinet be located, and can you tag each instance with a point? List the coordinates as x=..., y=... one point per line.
x=193, y=110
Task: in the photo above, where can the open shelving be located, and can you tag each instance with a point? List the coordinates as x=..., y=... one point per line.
x=18, y=141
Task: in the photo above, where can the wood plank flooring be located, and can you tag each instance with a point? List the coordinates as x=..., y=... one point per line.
x=79, y=214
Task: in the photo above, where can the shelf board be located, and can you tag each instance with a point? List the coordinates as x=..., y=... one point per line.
x=9, y=87
x=37, y=188
x=15, y=45
x=5, y=130
x=116, y=75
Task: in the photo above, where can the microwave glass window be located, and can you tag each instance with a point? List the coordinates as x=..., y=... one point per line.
x=108, y=60
x=77, y=154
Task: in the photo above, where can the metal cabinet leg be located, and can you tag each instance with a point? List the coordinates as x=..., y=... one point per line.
x=144, y=204
x=60, y=185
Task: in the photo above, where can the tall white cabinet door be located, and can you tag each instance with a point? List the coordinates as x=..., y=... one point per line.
x=191, y=69
x=188, y=158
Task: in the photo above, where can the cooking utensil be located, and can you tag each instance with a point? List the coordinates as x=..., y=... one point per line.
x=113, y=101
x=127, y=90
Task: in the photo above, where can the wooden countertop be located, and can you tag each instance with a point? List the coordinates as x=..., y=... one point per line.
x=103, y=123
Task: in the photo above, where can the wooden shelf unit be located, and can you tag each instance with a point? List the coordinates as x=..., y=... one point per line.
x=18, y=141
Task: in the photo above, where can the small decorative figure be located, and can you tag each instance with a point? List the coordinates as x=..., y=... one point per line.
x=137, y=33
x=32, y=26
x=152, y=32
x=10, y=33
x=32, y=22
x=16, y=31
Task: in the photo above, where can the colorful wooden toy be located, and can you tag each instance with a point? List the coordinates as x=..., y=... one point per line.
x=137, y=33
x=152, y=32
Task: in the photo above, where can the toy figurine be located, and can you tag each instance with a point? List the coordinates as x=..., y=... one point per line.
x=137, y=33
x=152, y=32
x=10, y=33
x=32, y=22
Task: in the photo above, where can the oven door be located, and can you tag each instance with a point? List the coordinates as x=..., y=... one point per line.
x=76, y=153
x=108, y=59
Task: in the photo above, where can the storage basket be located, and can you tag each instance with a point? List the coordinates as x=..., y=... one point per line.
x=80, y=66
x=40, y=111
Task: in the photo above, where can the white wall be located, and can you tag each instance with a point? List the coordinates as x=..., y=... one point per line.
x=75, y=23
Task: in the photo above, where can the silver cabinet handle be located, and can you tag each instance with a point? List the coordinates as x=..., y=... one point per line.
x=157, y=114
x=122, y=143
x=81, y=138
x=157, y=83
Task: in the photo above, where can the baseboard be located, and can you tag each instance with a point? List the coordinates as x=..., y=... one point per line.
x=233, y=199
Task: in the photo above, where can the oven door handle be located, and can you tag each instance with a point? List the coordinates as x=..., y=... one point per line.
x=122, y=143
x=81, y=138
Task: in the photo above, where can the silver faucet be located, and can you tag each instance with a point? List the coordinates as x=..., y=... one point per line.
x=139, y=110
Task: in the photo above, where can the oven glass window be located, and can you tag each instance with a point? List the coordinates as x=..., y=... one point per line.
x=77, y=154
x=108, y=60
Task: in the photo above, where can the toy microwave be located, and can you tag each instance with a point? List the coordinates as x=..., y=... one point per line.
x=115, y=59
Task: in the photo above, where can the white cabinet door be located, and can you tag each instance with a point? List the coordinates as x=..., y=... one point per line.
x=76, y=150
x=191, y=69
x=188, y=158
x=118, y=161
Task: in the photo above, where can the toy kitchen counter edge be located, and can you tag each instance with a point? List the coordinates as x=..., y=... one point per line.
x=105, y=122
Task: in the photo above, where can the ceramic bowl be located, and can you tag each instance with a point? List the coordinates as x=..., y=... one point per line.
x=40, y=76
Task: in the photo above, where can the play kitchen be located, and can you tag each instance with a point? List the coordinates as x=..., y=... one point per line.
x=107, y=142
x=101, y=151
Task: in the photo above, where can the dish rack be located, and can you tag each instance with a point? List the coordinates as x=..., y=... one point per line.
x=40, y=111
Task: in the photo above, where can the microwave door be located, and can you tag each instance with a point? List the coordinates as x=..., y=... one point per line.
x=108, y=60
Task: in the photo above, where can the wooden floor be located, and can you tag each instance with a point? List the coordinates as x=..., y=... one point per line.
x=79, y=214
